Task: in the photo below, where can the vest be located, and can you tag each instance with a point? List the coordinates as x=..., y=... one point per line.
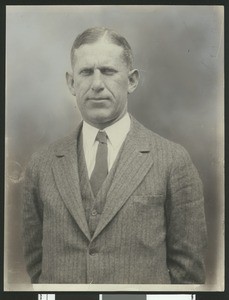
x=93, y=206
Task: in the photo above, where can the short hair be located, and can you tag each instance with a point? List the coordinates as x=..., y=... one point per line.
x=92, y=35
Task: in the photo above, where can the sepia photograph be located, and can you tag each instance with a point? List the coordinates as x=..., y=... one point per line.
x=114, y=142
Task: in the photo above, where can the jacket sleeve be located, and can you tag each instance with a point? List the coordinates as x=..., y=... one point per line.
x=32, y=222
x=186, y=227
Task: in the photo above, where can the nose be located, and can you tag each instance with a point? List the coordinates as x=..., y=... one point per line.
x=97, y=84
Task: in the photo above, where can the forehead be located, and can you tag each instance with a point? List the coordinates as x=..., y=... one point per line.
x=101, y=52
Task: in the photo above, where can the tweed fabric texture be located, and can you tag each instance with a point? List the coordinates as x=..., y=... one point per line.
x=151, y=230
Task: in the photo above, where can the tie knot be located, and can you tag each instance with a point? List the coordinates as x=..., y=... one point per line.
x=101, y=137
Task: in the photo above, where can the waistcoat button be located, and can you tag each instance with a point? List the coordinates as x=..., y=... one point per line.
x=92, y=252
x=94, y=212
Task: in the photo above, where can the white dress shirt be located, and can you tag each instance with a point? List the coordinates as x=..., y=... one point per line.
x=116, y=134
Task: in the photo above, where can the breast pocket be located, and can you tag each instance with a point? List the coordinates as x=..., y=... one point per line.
x=148, y=205
x=149, y=219
x=148, y=200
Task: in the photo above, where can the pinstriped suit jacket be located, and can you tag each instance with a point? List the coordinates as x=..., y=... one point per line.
x=152, y=228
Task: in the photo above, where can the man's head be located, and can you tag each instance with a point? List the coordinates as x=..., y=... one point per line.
x=102, y=75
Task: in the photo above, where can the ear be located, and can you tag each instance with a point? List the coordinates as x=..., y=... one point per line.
x=133, y=77
x=70, y=83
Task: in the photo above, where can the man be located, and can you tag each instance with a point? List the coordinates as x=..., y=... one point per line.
x=114, y=202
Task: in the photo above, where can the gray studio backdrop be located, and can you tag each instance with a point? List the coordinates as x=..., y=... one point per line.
x=179, y=52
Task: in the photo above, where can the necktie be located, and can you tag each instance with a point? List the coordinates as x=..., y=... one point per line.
x=101, y=167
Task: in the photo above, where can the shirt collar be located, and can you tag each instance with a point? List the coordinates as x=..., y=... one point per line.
x=116, y=132
x=89, y=134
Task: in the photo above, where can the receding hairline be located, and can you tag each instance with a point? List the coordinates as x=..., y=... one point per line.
x=102, y=39
x=96, y=34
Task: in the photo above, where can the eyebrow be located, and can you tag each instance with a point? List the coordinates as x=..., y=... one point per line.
x=100, y=68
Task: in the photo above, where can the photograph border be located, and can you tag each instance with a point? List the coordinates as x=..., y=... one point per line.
x=27, y=295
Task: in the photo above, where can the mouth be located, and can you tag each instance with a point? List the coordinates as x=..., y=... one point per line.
x=98, y=98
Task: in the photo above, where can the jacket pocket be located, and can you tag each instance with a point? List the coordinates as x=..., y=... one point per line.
x=148, y=199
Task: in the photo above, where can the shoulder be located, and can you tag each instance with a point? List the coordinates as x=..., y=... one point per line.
x=45, y=155
x=170, y=156
x=160, y=145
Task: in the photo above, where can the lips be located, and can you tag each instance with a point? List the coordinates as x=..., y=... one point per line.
x=98, y=98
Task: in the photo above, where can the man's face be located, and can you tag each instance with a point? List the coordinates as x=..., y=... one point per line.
x=101, y=81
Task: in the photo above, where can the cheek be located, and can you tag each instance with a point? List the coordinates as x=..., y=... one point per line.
x=118, y=87
x=81, y=86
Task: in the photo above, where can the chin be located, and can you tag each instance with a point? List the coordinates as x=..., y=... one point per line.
x=101, y=118
x=102, y=122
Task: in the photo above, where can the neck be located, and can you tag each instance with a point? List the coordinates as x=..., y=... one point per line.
x=104, y=125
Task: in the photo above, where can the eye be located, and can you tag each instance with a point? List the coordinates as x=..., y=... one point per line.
x=108, y=71
x=86, y=72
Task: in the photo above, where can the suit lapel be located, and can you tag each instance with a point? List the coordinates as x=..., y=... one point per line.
x=65, y=170
x=134, y=163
